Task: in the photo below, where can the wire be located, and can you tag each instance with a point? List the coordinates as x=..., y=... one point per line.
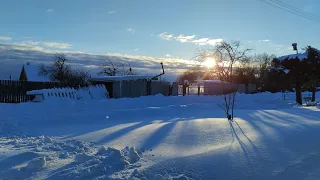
x=296, y=9
x=291, y=11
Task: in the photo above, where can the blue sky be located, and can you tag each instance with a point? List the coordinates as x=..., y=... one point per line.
x=159, y=29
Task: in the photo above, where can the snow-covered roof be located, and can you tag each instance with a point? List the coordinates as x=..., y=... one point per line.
x=120, y=78
x=32, y=73
x=209, y=81
x=300, y=56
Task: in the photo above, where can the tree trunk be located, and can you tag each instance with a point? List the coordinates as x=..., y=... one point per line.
x=298, y=93
x=314, y=94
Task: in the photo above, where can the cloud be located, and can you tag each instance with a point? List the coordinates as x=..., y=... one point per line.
x=57, y=45
x=184, y=39
x=168, y=55
x=190, y=39
x=201, y=41
x=13, y=56
x=136, y=49
x=207, y=41
x=39, y=45
x=265, y=40
x=112, y=12
x=166, y=36
x=214, y=41
x=29, y=42
x=5, y=38
x=131, y=30
x=49, y=10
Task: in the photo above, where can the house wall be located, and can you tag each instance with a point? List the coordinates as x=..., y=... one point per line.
x=218, y=88
x=116, y=89
x=252, y=88
x=137, y=88
x=175, y=89
x=242, y=88
x=129, y=89
x=247, y=88
x=158, y=87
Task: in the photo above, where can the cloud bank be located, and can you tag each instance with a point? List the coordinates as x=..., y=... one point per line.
x=12, y=57
x=190, y=39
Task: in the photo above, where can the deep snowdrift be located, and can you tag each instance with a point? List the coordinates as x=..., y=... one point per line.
x=174, y=138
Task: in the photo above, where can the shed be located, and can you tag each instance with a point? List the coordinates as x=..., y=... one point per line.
x=124, y=86
x=215, y=87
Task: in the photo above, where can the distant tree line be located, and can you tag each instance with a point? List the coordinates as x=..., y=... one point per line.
x=301, y=73
x=61, y=71
x=251, y=69
x=268, y=72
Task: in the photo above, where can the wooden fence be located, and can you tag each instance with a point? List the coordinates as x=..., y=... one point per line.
x=15, y=91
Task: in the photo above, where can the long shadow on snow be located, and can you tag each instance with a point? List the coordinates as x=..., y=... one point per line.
x=121, y=132
x=16, y=160
x=207, y=165
x=6, y=166
x=184, y=115
x=263, y=166
x=157, y=136
x=181, y=113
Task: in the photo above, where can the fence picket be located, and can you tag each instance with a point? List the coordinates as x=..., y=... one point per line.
x=12, y=91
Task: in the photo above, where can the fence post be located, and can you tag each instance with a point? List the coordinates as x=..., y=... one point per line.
x=198, y=90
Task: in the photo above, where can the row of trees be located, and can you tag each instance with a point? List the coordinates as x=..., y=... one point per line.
x=233, y=64
x=303, y=72
x=262, y=69
x=248, y=69
x=62, y=72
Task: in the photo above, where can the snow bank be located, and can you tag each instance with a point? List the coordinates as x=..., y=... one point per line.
x=86, y=160
x=98, y=92
x=91, y=92
x=189, y=137
x=37, y=163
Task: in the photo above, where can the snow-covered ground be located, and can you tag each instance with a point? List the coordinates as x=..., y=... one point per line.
x=160, y=138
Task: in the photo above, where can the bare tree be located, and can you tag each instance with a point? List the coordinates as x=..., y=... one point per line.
x=62, y=72
x=79, y=77
x=227, y=56
x=110, y=68
x=191, y=75
x=263, y=64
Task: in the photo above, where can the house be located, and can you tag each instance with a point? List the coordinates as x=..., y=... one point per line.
x=31, y=72
x=131, y=86
x=217, y=87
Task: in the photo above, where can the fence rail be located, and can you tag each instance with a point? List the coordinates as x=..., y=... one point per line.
x=15, y=91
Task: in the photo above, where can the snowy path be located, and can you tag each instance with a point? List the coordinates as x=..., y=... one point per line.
x=269, y=139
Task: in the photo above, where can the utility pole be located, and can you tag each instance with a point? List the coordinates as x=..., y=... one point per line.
x=294, y=46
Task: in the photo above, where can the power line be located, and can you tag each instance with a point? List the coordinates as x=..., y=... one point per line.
x=291, y=11
x=286, y=5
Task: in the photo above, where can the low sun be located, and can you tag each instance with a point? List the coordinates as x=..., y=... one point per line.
x=209, y=62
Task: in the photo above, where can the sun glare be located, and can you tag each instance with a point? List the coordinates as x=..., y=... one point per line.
x=209, y=62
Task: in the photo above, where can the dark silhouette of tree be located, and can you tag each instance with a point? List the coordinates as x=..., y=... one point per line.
x=226, y=55
x=62, y=72
x=111, y=68
x=304, y=72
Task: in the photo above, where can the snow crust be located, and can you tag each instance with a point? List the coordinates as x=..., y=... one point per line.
x=160, y=137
